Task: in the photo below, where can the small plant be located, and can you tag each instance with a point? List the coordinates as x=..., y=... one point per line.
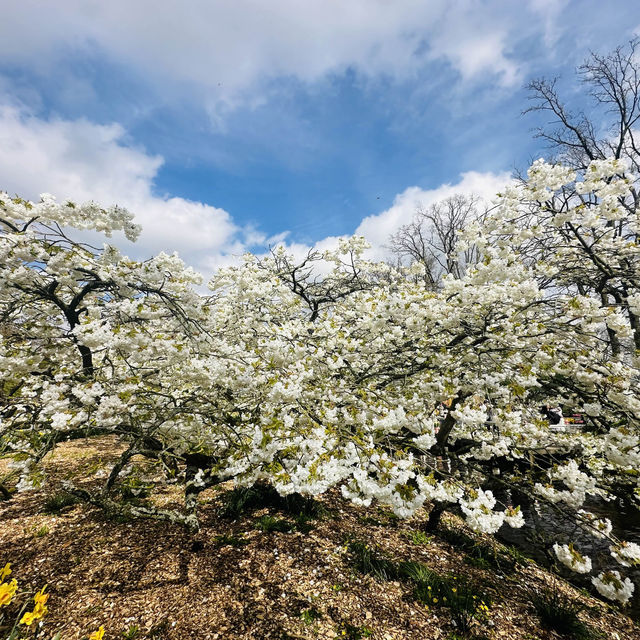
x=456, y=538
x=558, y=614
x=309, y=616
x=417, y=572
x=479, y=562
x=134, y=488
x=517, y=556
x=480, y=554
x=347, y=631
x=58, y=502
x=370, y=521
x=269, y=524
x=370, y=560
x=303, y=523
x=244, y=500
x=304, y=506
x=435, y=590
x=132, y=632
x=42, y=531
x=230, y=539
x=418, y=537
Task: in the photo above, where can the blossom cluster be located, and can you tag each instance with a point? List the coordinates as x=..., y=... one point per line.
x=572, y=558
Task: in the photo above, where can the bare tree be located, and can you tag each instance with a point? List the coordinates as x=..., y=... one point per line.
x=432, y=238
x=610, y=130
x=612, y=82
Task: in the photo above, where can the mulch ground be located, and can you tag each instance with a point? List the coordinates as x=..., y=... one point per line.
x=146, y=579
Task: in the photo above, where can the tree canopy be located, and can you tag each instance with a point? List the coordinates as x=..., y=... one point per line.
x=340, y=372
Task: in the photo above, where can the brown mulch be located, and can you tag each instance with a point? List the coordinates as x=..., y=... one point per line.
x=172, y=585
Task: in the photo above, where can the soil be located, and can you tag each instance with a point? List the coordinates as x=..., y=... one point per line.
x=231, y=580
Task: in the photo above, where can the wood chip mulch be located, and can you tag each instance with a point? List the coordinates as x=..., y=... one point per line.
x=152, y=580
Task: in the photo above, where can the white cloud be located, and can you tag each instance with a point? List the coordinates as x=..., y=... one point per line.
x=551, y=13
x=226, y=47
x=85, y=161
x=377, y=228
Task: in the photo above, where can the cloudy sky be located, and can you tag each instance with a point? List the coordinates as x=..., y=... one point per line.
x=230, y=125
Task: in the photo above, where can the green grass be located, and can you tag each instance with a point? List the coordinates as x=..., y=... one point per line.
x=58, y=502
x=41, y=532
x=465, y=602
x=517, y=556
x=432, y=589
x=132, y=633
x=559, y=614
x=347, y=631
x=370, y=560
x=418, y=537
x=478, y=562
x=482, y=555
x=309, y=616
x=269, y=524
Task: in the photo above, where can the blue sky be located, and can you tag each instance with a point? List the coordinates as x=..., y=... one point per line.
x=230, y=125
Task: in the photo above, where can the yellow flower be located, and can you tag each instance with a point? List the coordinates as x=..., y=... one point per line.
x=39, y=611
x=454, y=590
x=97, y=635
x=7, y=591
x=5, y=571
x=29, y=618
x=41, y=597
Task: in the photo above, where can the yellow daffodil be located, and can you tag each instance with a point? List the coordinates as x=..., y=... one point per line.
x=7, y=591
x=97, y=635
x=5, y=571
x=41, y=597
x=39, y=611
x=29, y=618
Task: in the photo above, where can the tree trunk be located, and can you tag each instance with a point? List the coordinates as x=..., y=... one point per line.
x=433, y=521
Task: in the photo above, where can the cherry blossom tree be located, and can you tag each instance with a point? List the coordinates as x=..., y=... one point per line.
x=336, y=372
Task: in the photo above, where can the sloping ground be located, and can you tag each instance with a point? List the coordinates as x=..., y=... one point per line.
x=233, y=580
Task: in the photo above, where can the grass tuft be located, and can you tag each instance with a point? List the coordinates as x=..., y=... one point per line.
x=58, y=502
x=371, y=561
x=558, y=614
x=418, y=537
x=269, y=524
